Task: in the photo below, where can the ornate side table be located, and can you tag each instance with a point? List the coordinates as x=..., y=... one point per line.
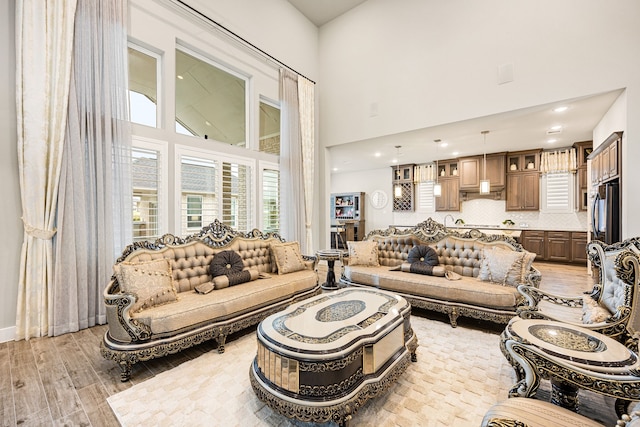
x=331, y=256
x=322, y=358
x=572, y=358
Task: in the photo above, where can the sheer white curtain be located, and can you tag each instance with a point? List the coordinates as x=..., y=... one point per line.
x=44, y=43
x=558, y=161
x=94, y=214
x=291, y=169
x=307, y=133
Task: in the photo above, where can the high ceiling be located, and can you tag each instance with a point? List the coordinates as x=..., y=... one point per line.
x=511, y=131
x=322, y=11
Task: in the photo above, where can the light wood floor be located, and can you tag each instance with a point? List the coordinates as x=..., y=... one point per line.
x=64, y=380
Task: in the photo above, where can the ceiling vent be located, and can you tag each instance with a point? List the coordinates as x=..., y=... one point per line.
x=554, y=131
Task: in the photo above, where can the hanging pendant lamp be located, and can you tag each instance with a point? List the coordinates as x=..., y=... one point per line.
x=485, y=185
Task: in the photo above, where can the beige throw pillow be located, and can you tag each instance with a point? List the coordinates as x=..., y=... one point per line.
x=151, y=282
x=592, y=312
x=501, y=266
x=363, y=253
x=288, y=257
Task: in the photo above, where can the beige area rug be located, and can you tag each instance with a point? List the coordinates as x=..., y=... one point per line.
x=460, y=373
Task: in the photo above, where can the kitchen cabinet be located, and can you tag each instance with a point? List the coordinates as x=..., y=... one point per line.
x=579, y=247
x=556, y=246
x=523, y=191
x=523, y=161
x=523, y=180
x=605, y=160
x=403, y=188
x=449, y=180
x=472, y=170
x=583, y=150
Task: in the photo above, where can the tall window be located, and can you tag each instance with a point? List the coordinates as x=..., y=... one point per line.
x=236, y=184
x=269, y=127
x=270, y=200
x=210, y=100
x=143, y=86
x=198, y=193
x=558, y=192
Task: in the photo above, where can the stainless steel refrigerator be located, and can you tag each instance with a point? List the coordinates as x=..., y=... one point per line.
x=605, y=213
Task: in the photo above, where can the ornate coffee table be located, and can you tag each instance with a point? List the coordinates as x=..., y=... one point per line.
x=323, y=358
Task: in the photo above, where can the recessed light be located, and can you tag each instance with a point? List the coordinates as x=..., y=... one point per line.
x=378, y=154
x=556, y=127
x=560, y=109
x=455, y=153
x=335, y=169
x=180, y=77
x=394, y=161
x=444, y=144
x=551, y=141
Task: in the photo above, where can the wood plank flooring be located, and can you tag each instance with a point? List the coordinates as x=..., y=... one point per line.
x=65, y=381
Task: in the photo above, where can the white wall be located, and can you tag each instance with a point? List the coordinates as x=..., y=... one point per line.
x=426, y=62
x=10, y=208
x=275, y=26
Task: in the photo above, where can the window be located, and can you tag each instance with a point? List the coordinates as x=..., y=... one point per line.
x=426, y=198
x=269, y=128
x=198, y=193
x=270, y=200
x=210, y=100
x=143, y=86
x=149, y=180
x=557, y=192
x=214, y=187
x=194, y=211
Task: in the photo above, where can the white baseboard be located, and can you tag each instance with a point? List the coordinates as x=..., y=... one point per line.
x=7, y=334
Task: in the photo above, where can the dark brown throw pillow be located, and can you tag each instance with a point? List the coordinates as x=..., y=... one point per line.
x=423, y=254
x=225, y=263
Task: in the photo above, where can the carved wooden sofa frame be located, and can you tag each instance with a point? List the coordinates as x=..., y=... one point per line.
x=130, y=340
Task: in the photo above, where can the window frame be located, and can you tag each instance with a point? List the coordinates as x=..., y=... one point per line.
x=159, y=80
x=262, y=166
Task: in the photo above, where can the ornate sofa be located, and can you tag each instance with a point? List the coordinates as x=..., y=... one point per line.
x=469, y=256
x=606, y=309
x=156, y=310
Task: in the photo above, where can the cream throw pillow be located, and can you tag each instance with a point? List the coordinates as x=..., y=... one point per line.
x=363, y=253
x=501, y=266
x=151, y=282
x=592, y=312
x=288, y=257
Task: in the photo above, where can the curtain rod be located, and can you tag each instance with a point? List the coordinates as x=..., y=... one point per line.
x=245, y=41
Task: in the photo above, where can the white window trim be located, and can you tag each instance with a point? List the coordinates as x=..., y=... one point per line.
x=159, y=79
x=219, y=158
x=162, y=147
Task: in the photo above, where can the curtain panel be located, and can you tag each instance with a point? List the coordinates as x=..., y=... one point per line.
x=94, y=213
x=44, y=43
x=307, y=132
x=558, y=161
x=291, y=174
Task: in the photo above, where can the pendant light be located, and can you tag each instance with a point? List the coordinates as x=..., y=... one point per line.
x=485, y=185
x=397, y=190
x=437, y=188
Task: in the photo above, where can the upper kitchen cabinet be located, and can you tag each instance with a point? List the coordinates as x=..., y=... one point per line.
x=605, y=160
x=403, y=191
x=523, y=161
x=583, y=150
x=449, y=180
x=472, y=172
x=523, y=180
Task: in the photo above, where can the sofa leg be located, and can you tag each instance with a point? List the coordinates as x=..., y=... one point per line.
x=453, y=317
x=221, y=339
x=125, y=371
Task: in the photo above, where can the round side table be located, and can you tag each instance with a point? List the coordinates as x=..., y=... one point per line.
x=331, y=256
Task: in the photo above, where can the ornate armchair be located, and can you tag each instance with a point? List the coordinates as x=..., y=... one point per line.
x=573, y=357
x=606, y=309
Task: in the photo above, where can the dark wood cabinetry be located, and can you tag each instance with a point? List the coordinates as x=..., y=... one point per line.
x=403, y=188
x=472, y=172
x=449, y=180
x=558, y=246
x=605, y=160
x=523, y=180
x=583, y=150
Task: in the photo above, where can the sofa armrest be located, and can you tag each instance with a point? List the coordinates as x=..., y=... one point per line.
x=533, y=296
x=310, y=261
x=121, y=326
